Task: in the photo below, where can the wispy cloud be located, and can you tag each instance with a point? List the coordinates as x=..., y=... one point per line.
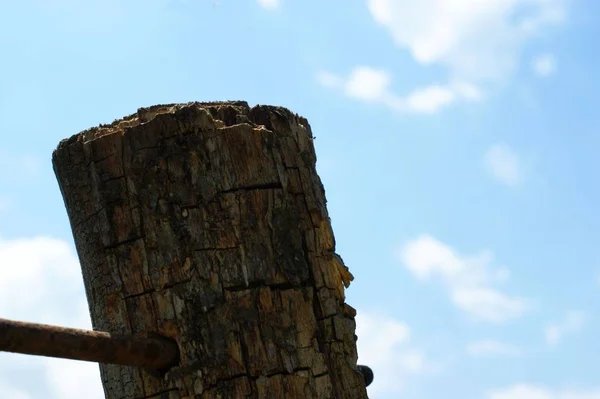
x=470, y=280
x=40, y=281
x=477, y=43
x=492, y=348
x=573, y=322
x=384, y=345
x=544, y=65
x=503, y=163
x=473, y=39
x=269, y=5
x=373, y=86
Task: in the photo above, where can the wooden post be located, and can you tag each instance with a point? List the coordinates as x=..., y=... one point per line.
x=206, y=223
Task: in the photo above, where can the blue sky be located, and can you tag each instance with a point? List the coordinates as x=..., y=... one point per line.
x=457, y=142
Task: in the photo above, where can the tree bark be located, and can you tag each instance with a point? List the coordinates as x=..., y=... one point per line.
x=206, y=223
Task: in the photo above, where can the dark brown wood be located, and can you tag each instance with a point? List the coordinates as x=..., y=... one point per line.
x=206, y=223
x=93, y=346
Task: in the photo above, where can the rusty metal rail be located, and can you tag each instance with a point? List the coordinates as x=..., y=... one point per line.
x=91, y=346
x=96, y=346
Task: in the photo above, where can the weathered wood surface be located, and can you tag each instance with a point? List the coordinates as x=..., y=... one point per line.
x=206, y=223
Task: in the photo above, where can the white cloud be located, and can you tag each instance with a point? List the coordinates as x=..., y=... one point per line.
x=473, y=39
x=329, y=80
x=430, y=99
x=373, y=85
x=40, y=281
x=534, y=391
x=33, y=271
x=470, y=280
x=384, y=345
x=492, y=348
x=502, y=162
x=269, y=4
x=477, y=43
x=488, y=304
x=544, y=65
x=368, y=84
x=572, y=323
x=70, y=379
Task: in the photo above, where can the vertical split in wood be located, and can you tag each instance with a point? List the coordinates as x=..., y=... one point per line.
x=206, y=223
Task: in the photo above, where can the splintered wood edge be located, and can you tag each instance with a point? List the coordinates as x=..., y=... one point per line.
x=147, y=114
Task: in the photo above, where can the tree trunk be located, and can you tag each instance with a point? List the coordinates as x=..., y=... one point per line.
x=206, y=223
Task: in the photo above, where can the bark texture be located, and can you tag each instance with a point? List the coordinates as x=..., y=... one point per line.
x=206, y=223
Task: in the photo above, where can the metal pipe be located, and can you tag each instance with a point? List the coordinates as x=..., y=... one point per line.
x=91, y=346
x=97, y=346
